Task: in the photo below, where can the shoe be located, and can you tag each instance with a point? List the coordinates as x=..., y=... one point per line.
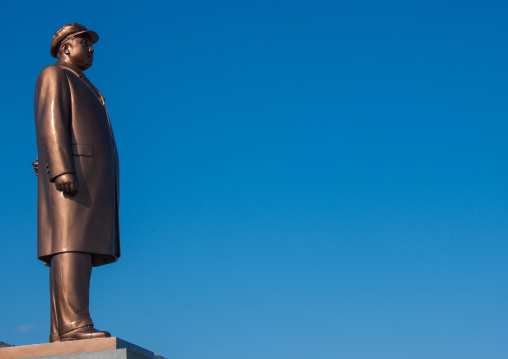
x=54, y=337
x=87, y=332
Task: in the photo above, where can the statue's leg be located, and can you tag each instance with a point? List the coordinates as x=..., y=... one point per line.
x=71, y=273
x=53, y=324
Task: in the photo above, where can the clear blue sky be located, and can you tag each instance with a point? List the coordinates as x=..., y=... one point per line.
x=299, y=179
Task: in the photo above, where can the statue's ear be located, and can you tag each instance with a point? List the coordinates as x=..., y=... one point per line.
x=65, y=48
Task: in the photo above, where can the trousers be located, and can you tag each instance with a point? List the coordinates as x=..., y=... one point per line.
x=69, y=288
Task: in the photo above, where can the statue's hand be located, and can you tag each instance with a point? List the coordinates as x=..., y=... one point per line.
x=36, y=166
x=67, y=183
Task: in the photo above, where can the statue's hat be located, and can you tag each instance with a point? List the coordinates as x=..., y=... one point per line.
x=71, y=30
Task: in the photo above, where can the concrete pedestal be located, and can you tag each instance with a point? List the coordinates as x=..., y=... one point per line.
x=105, y=348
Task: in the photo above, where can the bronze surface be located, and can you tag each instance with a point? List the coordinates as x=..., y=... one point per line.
x=70, y=274
x=77, y=190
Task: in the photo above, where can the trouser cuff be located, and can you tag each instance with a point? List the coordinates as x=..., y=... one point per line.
x=62, y=329
x=54, y=337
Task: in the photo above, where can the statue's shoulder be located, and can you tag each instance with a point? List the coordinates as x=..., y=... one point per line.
x=52, y=71
x=52, y=75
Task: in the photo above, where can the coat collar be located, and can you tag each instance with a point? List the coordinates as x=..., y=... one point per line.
x=72, y=68
x=76, y=71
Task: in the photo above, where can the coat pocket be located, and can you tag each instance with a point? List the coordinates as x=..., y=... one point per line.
x=82, y=150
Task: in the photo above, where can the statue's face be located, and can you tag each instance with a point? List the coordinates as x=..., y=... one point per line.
x=80, y=52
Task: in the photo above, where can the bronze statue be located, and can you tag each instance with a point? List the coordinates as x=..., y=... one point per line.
x=77, y=207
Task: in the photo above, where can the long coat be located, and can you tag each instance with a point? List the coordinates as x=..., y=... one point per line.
x=74, y=135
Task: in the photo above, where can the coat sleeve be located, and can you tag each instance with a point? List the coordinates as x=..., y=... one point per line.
x=52, y=103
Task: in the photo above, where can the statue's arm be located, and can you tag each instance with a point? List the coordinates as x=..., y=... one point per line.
x=52, y=105
x=67, y=182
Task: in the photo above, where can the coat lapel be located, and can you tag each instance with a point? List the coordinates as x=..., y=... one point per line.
x=78, y=73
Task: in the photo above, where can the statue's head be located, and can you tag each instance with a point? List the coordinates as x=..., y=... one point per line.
x=73, y=43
